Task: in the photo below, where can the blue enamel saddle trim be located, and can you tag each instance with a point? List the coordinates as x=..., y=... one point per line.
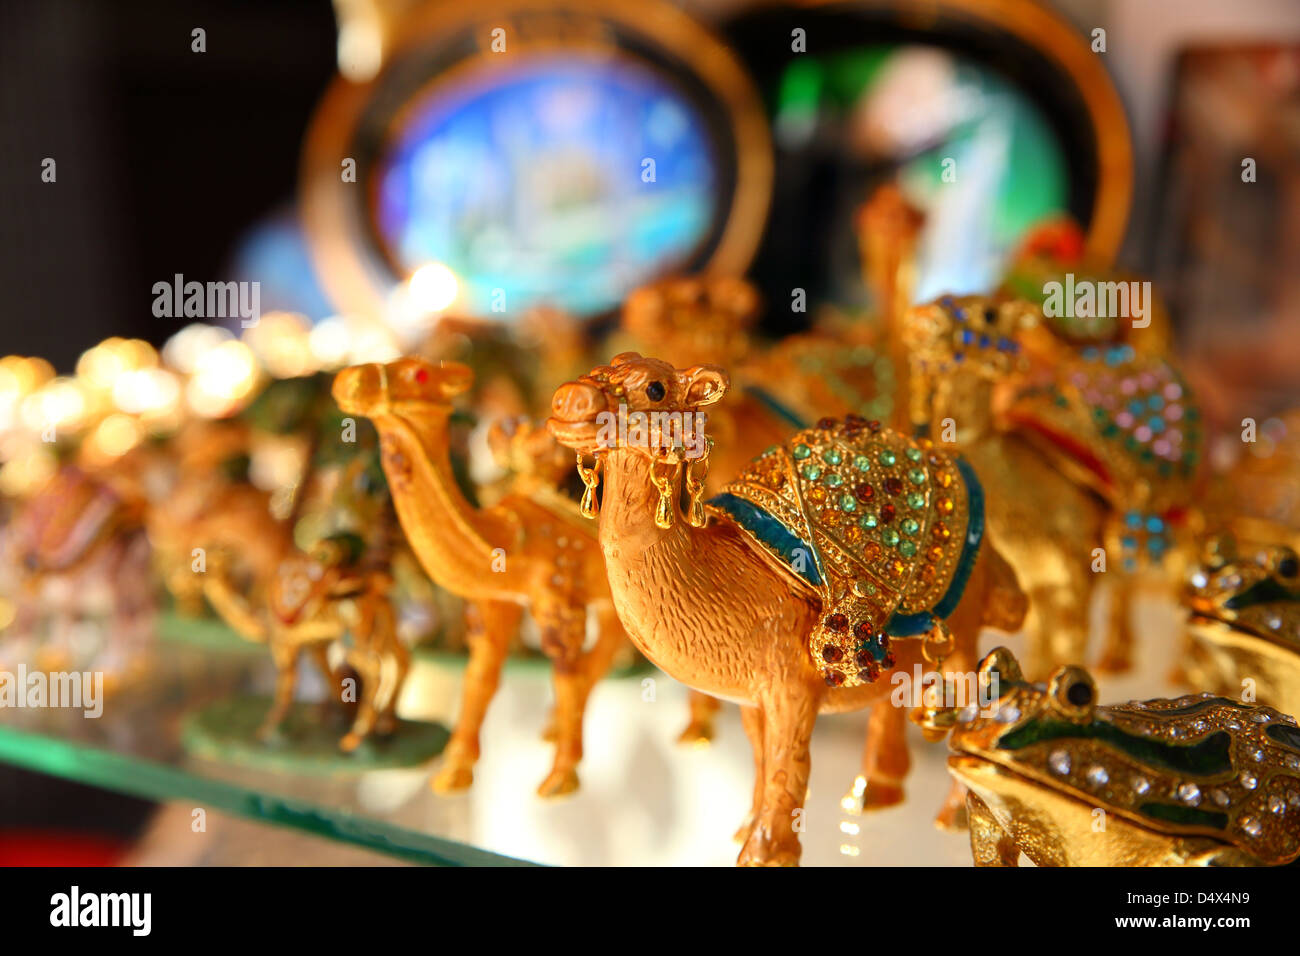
x=910, y=625
x=775, y=406
x=772, y=533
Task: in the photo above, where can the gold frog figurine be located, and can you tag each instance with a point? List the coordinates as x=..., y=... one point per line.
x=1243, y=632
x=1199, y=780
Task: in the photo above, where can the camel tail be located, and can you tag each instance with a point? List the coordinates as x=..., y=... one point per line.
x=1007, y=604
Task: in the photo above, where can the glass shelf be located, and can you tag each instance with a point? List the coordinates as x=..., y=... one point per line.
x=645, y=800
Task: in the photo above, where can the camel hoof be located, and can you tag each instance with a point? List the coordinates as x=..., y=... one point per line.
x=742, y=833
x=559, y=783
x=350, y=742
x=1113, y=663
x=879, y=795
x=698, y=733
x=768, y=855
x=953, y=819
x=453, y=778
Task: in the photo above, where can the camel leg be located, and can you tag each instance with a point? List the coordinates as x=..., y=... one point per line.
x=752, y=719
x=491, y=625
x=700, y=729
x=1059, y=629
x=990, y=845
x=1117, y=647
x=367, y=664
x=396, y=654
x=885, y=760
x=960, y=668
x=574, y=674
x=788, y=719
x=286, y=679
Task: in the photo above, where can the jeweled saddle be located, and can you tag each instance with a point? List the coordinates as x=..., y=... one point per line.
x=1126, y=426
x=883, y=528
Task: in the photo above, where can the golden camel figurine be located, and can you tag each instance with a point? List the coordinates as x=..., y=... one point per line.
x=312, y=602
x=782, y=595
x=1071, y=464
x=1197, y=781
x=530, y=549
x=77, y=548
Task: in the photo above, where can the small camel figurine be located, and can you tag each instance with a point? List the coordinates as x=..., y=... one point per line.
x=529, y=550
x=800, y=586
x=1101, y=453
x=78, y=550
x=312, y=601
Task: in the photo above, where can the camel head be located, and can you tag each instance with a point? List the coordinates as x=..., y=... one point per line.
x=408, y=384
x=708, y=317
x=527, y=449
x=969, y=335
x=586, y=414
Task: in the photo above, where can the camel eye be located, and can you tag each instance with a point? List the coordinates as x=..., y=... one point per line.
x=655, y=391
x=1288, y=567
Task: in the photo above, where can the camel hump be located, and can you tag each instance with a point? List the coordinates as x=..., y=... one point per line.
x=884, y=528
x=1124, y=424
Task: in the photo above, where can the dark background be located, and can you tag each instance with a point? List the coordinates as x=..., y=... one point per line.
x=164, y=156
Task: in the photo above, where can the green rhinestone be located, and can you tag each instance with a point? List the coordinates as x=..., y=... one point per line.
x=833, y=479
x=862, y=463
x=889, y=537
x=811, y=472
x=867, y=521
x=848, y=503
x=915, y=500
x=907, y=549
x=886, y=458
x=911, y=526
x=832, y=456
x=802, y=451
x=914, y=453
x=916, y=476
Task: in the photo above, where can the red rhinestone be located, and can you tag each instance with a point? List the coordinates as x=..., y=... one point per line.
x=889, y=660
x=864, y=492
x=886, y=513
x=862, y=631
x=893, y=484
x=854, y=419
x=838, y=623
x=826, y=424
x=866, y=676
x=863, y=658
x=884, y=641
x=833, y=678
x=874, y=425
x=832, y=653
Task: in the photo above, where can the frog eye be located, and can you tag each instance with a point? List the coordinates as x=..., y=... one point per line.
x=655, y=391
x=1288, y=566
x=1000, y=666
x=1072, y=692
